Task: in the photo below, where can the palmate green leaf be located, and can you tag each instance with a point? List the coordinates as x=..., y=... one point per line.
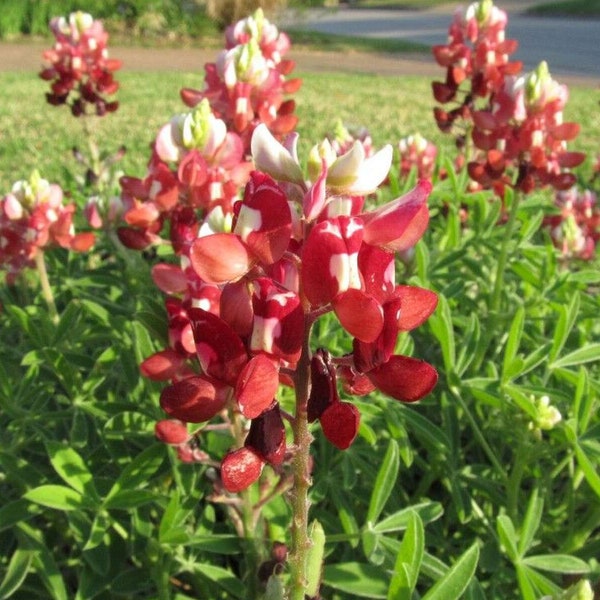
x=455, y=581
x=128, y=499
x=72, y=469
x=223, y=578
x=17, y=570
x=558, y=563
x=585, y=354
x=408, y=561
x=385, y=481
x=584, y=401
x=432, y=437
x=59, y=497
x=357, y=579
x=541, y=584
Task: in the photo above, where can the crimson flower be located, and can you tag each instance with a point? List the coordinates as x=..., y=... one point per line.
x=80, y=68
x=33, y=218
x=294, y=251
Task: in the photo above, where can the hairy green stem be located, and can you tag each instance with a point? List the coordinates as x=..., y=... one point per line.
x=40, y=264
x=301, y=467
x=502, y=259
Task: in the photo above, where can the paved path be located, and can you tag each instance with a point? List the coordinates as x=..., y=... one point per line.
x=570, y=46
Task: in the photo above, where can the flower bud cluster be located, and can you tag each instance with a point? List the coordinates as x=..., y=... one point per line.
x=293, y=251
x=80, y=72
x=515, y=121
x=33, y=218
x=476, y=60
x=575, y=230
x=248, y=82
x=418, y=153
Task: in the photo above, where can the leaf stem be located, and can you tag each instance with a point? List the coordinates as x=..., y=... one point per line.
x=301, y=469
x=503, y=257
x=40, y=264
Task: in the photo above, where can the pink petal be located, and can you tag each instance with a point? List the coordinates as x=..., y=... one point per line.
x=340, y=422
x=194, y=400
x=169, y=278
x=404, y=378
x=399, y=224
x=240, y=469
x=219, y=258
x=359, y=314
x=256, y=386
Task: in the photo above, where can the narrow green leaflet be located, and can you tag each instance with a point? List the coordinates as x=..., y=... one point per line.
x=558, y=563
x=455, y=581
x=385, y=481
x=17, y=570
x=585, y=354
x=512, y=345
x=508, y=536
x=564, y=324
x=15, y=512
x=588, y=468
x=223, y=578
x=531, y=522
x=72, y=469
x=357, y=579
x=399, y=521
x=139, y=470
x=408, y=561
x=57, y=496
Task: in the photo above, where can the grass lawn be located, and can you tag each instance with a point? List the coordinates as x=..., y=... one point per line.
x=583, y=8
x=36, y=135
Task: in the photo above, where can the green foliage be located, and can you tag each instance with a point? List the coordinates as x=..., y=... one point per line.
x=465, y=494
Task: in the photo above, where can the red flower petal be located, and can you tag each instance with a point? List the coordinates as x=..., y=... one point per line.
x=340, y=422
x=194, y=399
x=359, y=314
x=171, y=432
x=256, y=386
x=163, y=365
x=323, y=389
x=219, y=258
x=267, y=436
x=399, y=224
x=221, y=352
x=404, y=378
x=264, y=222
x=417, y=304
x=169, y=278
x=240, y=469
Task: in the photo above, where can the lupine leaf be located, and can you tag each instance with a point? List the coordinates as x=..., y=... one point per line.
x=57, y=496
x=72, y=468
x=17, y=570
x=585, y=354
x=223, y=578
x=385, y=481
x=558, y=563
x=455, y=581
x=399, y=521
x=531, y=522
x=408, y=560
x=357, y=579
